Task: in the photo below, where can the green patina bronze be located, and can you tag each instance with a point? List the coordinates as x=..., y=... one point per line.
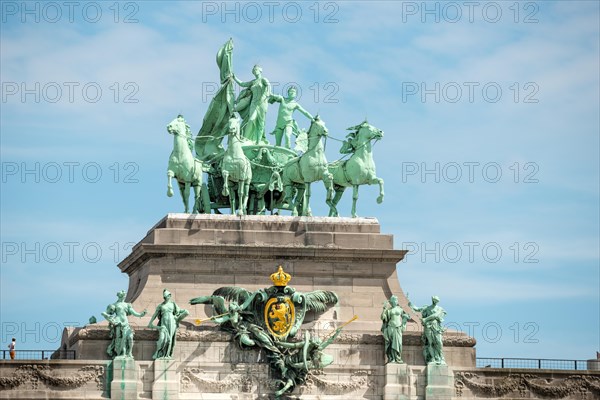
x=252, y=105
x=121, y=334
x=235, y=168
x=269, y=319
x=285, y=123
x=310, y=167
x=432, y=318
x=169, y=316
x=214, y=125
x=184, y=167
x=394, y=320
x=359, y=169
x=251, y=176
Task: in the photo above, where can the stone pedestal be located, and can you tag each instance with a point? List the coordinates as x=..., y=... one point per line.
x=166, y=382
x=397, y=382
x=125, y=380
x=192, y=255
x=440, y=382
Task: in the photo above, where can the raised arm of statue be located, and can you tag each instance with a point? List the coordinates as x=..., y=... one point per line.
x=416, y=309
x=275, y=98
x=131, y=311
x=242, y=83
x=303, y=111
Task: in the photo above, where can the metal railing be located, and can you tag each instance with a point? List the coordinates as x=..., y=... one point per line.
x=40, y=354
x=535, y=363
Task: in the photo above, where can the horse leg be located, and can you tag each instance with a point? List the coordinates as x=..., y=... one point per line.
x=252, y=200
x=286, y=183
x=299, y=201
x=379, y=181
x=307, y=211
x=231, y=198
x=339, y=191
x=328, y=182
x=197, y=192
x=225, y=191
x=259, y=198
x=184, y=195
x=170, y=175
x=244, y=189
x=240, y=195
x=288, y=189
x=205, y=199
x=261, y=206
x=354, y=199
x=381, y=193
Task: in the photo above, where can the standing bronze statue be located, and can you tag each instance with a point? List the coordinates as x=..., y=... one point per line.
x=432, y=317
x=286, y=125
x=169, y=316
x=121, y=334
x=252, y=104
x=394, y=320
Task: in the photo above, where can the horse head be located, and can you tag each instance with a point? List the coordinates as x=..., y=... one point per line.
x=233, y=127
x=366, y=132
x=177, y=126
x=317, y=128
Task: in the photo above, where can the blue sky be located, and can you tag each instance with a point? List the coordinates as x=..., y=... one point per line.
x=490, y=156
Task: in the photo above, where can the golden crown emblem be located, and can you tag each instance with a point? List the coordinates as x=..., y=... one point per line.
x=280, y=278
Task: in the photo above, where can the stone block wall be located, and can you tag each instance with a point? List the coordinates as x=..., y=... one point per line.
x=54, y=379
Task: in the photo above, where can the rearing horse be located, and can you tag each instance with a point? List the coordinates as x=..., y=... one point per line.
x=359, y=169
x=300, y=172
x=183, y=166
x=235, y=167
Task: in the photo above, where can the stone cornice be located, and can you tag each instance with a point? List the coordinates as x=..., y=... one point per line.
x=215, y=335
x=143, y=252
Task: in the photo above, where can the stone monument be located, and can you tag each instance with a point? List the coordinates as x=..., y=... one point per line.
x=283, y=306
x=241, y=336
